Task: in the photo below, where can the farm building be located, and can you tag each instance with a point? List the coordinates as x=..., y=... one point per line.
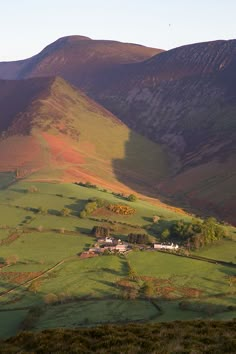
x=107, y=240
x=122, y=247
x=95, y=250
x=162, y=246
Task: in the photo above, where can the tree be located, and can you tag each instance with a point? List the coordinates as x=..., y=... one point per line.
x=165, y=234
x=65, y=212
x=34, y=286
x=82, y=214
x=138, y=238
x=130, y=293
x=148, y=289
x=101, y=231
x=42, y=210
x=12, y=259
x=50, y=299
x=132, y=198
x=31, y=189
x=155, y=218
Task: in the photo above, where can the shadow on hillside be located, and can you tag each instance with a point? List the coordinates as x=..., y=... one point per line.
x=142, y=168
x=76, y=207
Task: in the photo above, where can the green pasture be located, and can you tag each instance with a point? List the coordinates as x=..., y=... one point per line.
x=11, y=216
x=182, y=271
x=55, y=197
x=94, y=277
x=4, y=233
x=46, y=247
x=224, y=250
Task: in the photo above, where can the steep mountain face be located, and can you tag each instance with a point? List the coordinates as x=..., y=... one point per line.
x=16, y=96
x=77, y=59
x=52, y=131
x=186, y=99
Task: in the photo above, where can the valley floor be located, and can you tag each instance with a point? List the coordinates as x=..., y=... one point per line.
x=44, y=283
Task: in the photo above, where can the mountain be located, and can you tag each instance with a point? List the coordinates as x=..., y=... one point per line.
x=52, y=131
x=183, y=99
x=77, y=59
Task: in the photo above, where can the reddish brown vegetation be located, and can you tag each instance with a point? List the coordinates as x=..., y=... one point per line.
x=18, y=277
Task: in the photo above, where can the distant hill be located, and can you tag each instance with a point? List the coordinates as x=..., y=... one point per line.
x=52, y=131
x=77, y=59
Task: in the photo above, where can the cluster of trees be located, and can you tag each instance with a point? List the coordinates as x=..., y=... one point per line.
x=101, y=231
x=92, y=205
x=130, y=197
x=121, y=209
x=87, y=185
x=195, y=234
x=138, y=238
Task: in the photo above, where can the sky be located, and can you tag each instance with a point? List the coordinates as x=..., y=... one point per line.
x=27, y=26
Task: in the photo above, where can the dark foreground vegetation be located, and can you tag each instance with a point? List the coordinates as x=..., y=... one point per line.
x=175, y=337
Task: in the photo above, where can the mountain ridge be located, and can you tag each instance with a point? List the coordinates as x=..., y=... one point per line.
x=77, y=52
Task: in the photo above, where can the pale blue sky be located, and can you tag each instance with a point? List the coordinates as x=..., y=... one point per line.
x=27, y=26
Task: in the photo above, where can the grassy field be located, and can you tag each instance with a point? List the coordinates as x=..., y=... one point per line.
x=44, y=247
x=224, y=250
x=209, y=278
x=85, y=291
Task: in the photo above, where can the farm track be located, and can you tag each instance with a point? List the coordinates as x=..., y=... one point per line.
x=37, y=277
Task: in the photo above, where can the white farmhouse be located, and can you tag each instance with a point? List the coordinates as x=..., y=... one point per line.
x=162, y=246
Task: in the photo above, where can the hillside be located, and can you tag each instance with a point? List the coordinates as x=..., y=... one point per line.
x=77, y=59
x=52, y=131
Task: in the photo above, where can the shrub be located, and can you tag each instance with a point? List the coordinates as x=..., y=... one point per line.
x=33, y=189
x=121, y=209
x=83, y=214
x=35, y=286
x=165, y=234
x=42, y=210
x=65, y=212
x=12, y=259
x=155, y=218
x=132, y=198
x=50, y=299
